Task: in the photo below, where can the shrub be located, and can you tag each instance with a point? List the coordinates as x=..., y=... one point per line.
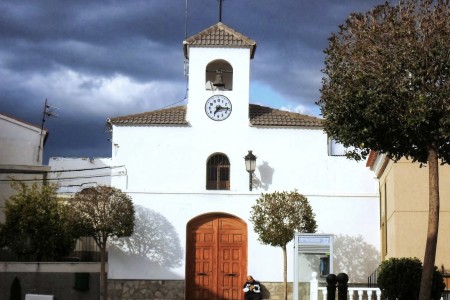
x=36, y=223
x=399, y=278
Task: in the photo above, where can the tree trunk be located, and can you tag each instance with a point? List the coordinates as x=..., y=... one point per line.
x=284, y=273
x=103, y=285
x=433, y=225
x=102, y=273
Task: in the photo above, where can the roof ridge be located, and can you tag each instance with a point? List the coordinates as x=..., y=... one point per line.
x=219, y=34
x=234, y=32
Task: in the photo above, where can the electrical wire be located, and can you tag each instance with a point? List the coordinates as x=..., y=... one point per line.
x=89, y=169
x=61, y=179
x=68, y=178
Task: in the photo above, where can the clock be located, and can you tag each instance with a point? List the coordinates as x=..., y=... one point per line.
x=218, y=107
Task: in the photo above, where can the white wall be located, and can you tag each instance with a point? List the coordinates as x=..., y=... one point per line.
x=162, y=158
x=239, y=60
x=78, y=173
x=19, y=142
x=166, y=174
x=166, y=168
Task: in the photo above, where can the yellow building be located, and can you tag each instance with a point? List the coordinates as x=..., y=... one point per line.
x=403, y=189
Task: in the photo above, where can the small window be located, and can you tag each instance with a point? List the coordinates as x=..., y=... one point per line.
x=218, y=172
x=335, y=148
x=219, y=76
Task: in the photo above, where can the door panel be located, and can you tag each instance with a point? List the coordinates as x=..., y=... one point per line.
x=231, y=276
x=203, y=271
x=203, y=261
x=216, y=257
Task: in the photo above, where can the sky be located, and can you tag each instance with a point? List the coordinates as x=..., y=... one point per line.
x=93, y=60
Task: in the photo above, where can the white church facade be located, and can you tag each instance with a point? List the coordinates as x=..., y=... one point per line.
x=185, y=171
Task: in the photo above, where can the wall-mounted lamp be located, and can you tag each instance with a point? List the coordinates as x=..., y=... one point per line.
x=250, y=165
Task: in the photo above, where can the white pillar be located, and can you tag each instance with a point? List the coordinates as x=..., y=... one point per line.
x=314, y=287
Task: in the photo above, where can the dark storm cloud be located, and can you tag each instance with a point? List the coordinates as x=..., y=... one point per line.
x=97, y=37
x=98, y=59
x=91, y=133
x=291, y=37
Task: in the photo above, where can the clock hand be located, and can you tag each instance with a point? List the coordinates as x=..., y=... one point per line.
x=219, y=108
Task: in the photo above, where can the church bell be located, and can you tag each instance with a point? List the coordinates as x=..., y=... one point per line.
x=219, y=80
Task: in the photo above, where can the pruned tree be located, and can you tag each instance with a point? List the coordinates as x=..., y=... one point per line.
x=37, y=224
x=387, y=89
x=103, y=212
x=277, y=216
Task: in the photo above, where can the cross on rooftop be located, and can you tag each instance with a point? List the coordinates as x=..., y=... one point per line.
x=220, y=10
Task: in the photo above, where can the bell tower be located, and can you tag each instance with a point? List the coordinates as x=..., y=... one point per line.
x=219, y=77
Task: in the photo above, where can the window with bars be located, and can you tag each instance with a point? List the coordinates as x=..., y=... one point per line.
x=218, y=172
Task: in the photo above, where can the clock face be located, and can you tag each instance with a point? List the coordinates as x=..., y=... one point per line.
x=218, y=107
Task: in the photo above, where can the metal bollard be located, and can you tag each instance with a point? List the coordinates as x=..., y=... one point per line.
x=342, y=286
x=331, y=287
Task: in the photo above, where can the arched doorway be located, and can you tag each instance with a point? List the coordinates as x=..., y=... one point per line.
x=216, y=257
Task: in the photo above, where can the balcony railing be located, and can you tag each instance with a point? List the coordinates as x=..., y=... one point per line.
x=356, y=293
x=353, y=293
x=86, y=250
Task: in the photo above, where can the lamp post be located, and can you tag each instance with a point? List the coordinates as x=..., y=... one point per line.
x=250, y=165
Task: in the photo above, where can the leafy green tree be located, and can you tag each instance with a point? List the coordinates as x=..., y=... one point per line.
x=386, y=89
x=37, y=224
x=399, y=278
x=277, y=216
x=103, y=212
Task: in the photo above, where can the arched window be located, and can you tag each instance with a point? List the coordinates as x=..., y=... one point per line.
x=219, y=76
x=218, y=172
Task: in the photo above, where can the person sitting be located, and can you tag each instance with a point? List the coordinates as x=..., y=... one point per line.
x=252, y=289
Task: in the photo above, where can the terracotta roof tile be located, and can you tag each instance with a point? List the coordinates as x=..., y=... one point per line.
x=259, y=116
x=168, y=116
x=217, y=36
x=266, y=116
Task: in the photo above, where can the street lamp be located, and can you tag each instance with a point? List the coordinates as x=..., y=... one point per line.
x=250, y=165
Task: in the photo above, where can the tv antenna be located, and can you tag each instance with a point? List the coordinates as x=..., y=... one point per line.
x=49, y=111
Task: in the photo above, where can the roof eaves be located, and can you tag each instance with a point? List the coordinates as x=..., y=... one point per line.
x=169, y=116
x=205, y=35
x=266, y=116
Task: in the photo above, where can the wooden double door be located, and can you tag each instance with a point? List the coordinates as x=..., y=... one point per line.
x=216, y=257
